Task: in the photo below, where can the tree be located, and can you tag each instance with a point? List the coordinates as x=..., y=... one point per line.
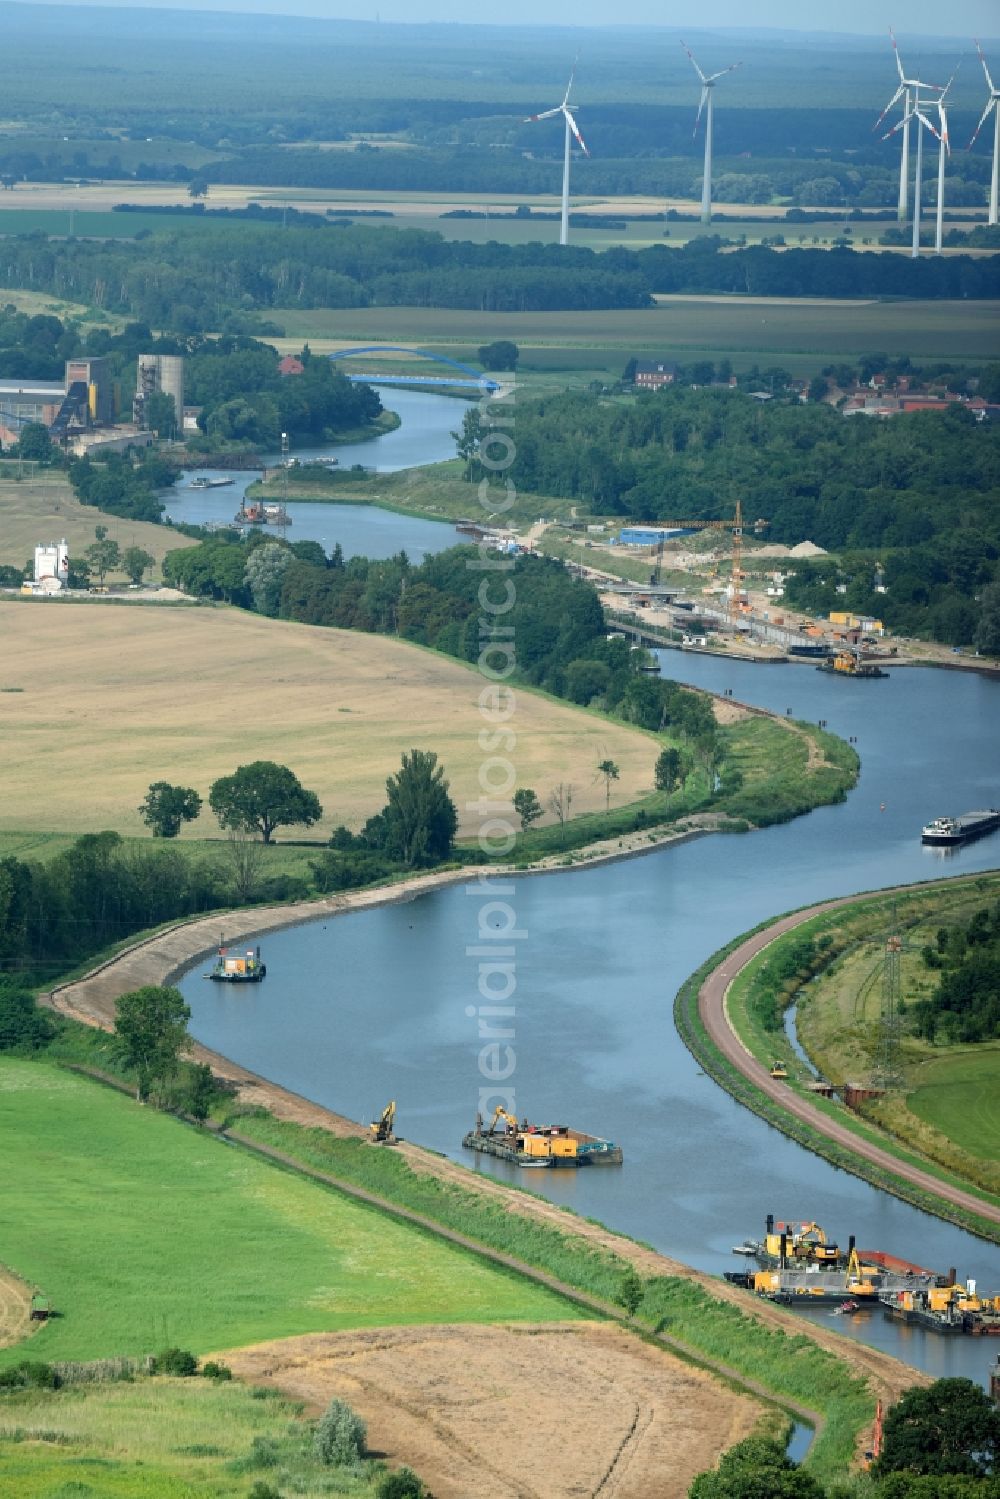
x=560, y=801
x=527, y=806
x=756, y=1468
x=198, y=188
x=402, y=1484
x=667, y=773
x=987, y=637
x=341, y=1436
x=246, y=858
x=34, y=443
x=609, y=770
x=159, y=413
x=104, y=557
x=199, y=1091
x=630, y=1292
x=264, y=574
x=419, y=820
x=499, y=355
x=950, y=1426
x=135, y=562
x=263, y=796
x=151, y=1032
x=165, y=807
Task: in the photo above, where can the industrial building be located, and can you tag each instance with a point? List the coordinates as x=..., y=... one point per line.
x=86, y=398
x=51, y=568
x=163, y=373
x=26, y=401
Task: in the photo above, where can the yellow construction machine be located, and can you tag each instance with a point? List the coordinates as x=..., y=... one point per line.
x=381, y=1130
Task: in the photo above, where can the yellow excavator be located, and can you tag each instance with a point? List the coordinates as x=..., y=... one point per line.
x=501, y=1113
x=381, y=1130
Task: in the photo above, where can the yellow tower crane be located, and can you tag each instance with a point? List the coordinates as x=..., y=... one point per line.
x=737, y=599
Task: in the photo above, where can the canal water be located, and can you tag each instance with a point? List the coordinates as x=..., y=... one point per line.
x=424, y=436
x=381, y=1004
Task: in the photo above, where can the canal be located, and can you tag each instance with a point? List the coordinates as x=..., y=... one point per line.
x=382, y=1003
x=424, y=436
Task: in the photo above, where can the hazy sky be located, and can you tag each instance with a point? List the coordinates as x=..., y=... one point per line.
x=963, y=18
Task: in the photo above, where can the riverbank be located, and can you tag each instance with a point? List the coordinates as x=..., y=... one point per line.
x=709, y=1321
x=703, y=1018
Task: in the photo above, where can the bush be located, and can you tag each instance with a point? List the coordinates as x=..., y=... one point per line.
x=340, y=1436
x=212, y=1370
x=263, y=1490
x=175, y=1361
x=403, y=1484
x=29, y=1374
x=23, y=1026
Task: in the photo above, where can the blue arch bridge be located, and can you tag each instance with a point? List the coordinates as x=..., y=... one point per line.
x=467, y=378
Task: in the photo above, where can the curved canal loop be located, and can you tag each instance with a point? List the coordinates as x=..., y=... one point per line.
x=377, y=1005
x=424, y=436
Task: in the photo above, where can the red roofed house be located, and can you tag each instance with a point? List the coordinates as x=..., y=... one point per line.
x=290, y=365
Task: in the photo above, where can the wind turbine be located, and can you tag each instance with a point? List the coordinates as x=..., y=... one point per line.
x=916, y=113
x=944, y=149
x=908, y=98
x=572, y=132
x=992, y=103
x=707, y=85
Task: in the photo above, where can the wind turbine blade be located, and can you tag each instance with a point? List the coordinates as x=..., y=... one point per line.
x=573, y=126
x=731, y=69
x=927, y=124
x=982, y=122
x=569, y=86
x=545, y=115
x=690, y=54
x=982, y=59
x=897, y=95
x=701, y=106
x=898, y=125
x=895, y=49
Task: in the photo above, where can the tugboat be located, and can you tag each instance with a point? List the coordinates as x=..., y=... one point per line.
x=851, y=664
x=239, y=968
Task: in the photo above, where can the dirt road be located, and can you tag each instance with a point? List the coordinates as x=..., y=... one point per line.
x=714, y=1015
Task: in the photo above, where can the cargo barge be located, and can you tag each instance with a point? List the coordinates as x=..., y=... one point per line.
x=949, y=1309
x=949, y=832
x=203, y=483
x=850, y=664
x=539, y=1145
x=238, y=968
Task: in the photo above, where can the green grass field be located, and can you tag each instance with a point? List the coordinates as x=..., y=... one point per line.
x=159, y=1439
x=91, y=225
x=959, y=1094
x=145, y=1232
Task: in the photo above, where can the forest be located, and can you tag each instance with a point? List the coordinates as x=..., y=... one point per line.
x=966, y=1004
x=911, y=504
x=215, y=279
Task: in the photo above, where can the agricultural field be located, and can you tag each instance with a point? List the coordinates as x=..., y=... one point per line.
x=623, y=1400
x=801, y=336
x=43, y=509
x=339, y=707
x=146, y=1233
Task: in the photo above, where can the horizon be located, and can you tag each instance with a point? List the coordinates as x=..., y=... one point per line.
x=972, y=18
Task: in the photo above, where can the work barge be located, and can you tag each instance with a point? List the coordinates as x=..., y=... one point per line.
x=539, y=1145
x=798, y=1264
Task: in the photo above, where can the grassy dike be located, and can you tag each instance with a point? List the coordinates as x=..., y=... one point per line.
x=766, y=1045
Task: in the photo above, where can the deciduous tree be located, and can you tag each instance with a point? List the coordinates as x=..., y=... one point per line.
x=165, y=807
x=419, y=820
x=151, y=1031
x=263, y=796
x=527, y=806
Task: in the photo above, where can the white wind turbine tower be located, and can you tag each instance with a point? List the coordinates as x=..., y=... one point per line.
x=707, y=98
x=992, y=103
x=923, y=123
x=944, y=149
x=908, y=91
x=572, y=133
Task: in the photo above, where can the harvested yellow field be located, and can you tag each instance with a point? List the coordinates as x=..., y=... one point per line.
x=109, y=697
x=39, y=510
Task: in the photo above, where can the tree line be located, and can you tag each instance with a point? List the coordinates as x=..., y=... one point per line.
x=203, y=280
x=965, y=1006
